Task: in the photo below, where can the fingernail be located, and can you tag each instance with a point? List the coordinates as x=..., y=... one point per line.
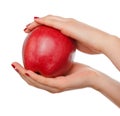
x=36, y=17
x=27, y=74
x=25, y=29
x=13, y=66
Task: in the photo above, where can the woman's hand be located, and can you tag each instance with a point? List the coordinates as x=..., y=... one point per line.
x=88, y=39
x=79, y=76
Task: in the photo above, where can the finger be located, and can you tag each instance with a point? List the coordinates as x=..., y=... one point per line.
x=46, y=21
x=22, y=72
x=26, y=30
x=19, y=68
x=36, y=84
x=52, y=21
x=31, y=26
x=50, y=17
x=58, y=82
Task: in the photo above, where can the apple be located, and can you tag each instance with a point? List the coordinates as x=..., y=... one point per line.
x=48, y=52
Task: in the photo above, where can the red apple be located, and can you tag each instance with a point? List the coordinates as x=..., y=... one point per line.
x=48, y=52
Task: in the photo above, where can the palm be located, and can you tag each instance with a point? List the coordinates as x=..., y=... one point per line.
x=82, y=69
x=77, y=77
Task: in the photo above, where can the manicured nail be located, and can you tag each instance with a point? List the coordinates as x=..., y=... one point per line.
x=13, y=66
x=36, y=17
x=25, y=29
x=27, y=74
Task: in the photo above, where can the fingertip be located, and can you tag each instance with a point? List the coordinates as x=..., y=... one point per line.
x=35, y=17
x=14, y=67
x=26, y=30
x=38, y=19
x=13, y=64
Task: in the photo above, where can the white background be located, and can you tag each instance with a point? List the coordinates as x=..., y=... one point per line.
x=19, y=99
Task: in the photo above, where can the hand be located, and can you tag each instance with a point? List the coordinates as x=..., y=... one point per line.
x=89, y=40
x=79, y=76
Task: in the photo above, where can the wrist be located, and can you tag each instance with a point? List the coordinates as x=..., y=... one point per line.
x=111, y=49
x=96, y=81
x=108, y=43
x=105, y=42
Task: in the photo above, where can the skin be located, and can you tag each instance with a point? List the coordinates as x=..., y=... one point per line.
x=89, y=40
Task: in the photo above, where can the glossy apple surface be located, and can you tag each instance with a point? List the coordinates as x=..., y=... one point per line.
x=48, y=52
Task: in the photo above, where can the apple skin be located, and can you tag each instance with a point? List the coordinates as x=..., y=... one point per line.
x=48, y=52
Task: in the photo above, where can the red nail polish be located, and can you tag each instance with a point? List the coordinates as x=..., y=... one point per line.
x=36, y=17
x=13, y=66
x=27, y=74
